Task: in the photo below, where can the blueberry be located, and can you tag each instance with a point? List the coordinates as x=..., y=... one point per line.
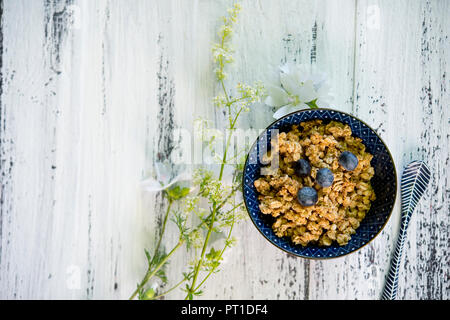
x=325, y=177
x=348, y=160
x=307, y=196
x=302, y=168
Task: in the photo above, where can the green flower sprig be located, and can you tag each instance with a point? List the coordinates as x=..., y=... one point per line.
x=210, y=206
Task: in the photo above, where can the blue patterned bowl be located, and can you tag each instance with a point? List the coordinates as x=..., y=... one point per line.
x=384, y=183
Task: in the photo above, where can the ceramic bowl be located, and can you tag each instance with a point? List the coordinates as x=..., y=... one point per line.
x=384, y=183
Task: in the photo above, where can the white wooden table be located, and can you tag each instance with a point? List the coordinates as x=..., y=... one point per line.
x=92, y=90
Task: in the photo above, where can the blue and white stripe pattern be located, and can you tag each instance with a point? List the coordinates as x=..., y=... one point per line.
x=414, y=182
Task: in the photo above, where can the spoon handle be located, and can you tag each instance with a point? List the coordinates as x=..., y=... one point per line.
x=391, y=284
x=415, y=179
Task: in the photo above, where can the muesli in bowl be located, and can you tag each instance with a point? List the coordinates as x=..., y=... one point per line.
x=321, y=190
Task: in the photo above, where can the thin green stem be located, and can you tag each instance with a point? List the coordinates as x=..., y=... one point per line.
x=220, y=256
x=216, y=205
x=147, y=276
x=237, y=100
x=205, y=244
x=235, y=207
x=162, y=232
x=232, y=125
x=150, y=273
x=169, y=290
x=215, y=209
x=239, y=153
x=221, y=66
x=225, y=154
x=222, y=83
x=236, y=117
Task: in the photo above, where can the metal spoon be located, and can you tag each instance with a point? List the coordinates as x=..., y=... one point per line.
x=415, y=179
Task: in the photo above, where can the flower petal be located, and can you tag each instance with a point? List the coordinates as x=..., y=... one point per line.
x=276, y=96
x=318, y=79
x=322, y=103
x=163, y=171
x=287, y=67
x=152, y=185
x=184, y=176
x=324, y=96
x=299, y=72
x=155, y=285
x=304, y=73
x=289, y=81
x=302, y=106
x=324, y=89
x=284, y=111
x=306, y=92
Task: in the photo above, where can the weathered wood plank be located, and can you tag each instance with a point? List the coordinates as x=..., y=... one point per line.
x=26, y=89
x=84, y=117
x=400, y=89
x=74, y=210
x=428, y=251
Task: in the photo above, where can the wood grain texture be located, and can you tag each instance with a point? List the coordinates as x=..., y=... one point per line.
x=93, y=92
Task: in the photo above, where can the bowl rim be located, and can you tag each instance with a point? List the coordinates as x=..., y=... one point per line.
x=320, y=258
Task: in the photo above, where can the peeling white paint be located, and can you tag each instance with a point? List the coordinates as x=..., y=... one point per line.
x=79, y=115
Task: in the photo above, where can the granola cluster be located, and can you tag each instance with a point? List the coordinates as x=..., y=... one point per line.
x=340, y=208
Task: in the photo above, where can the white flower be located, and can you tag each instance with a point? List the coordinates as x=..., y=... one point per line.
x=163, y=177
x=155, y=285
x=299, y=89
x=323, y=96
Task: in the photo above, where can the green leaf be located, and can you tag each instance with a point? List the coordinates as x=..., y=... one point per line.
x=230, y=242
x=198, y=292
x=177, y=193
x=189, y=292
x=159, y=256
x=184, y=192
x=147, y=254
x=162, y=275
x=187, y=276
x=213, y=254
x=312, y=104
x=172, y=192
